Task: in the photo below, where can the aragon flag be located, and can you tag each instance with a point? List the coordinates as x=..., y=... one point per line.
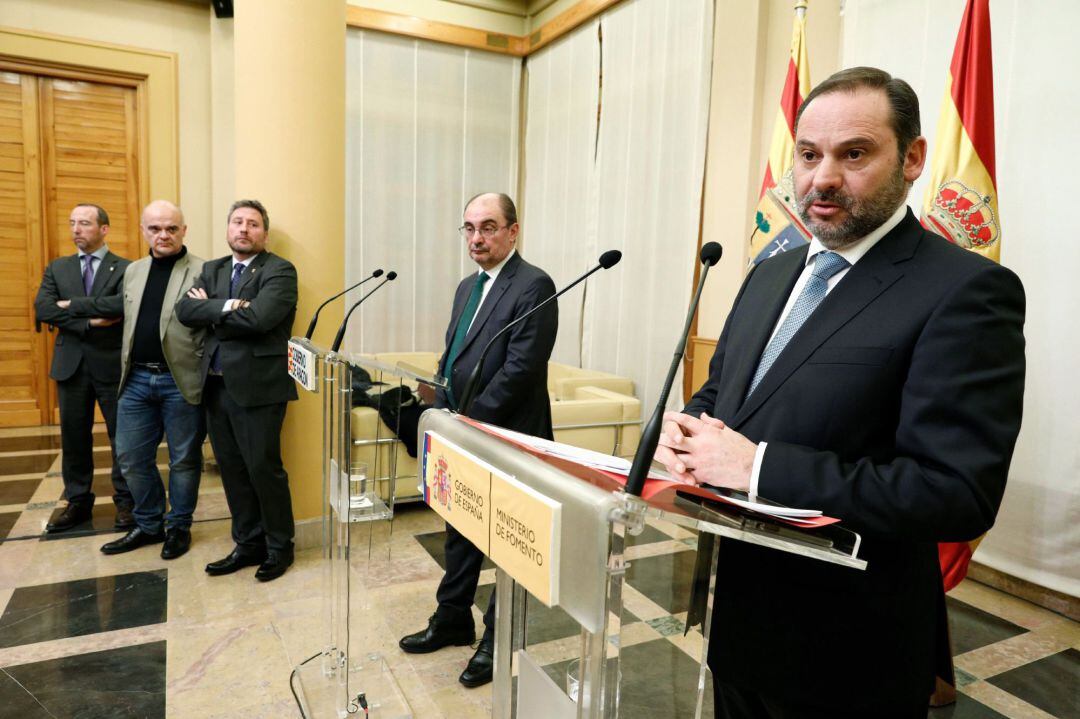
x=961, y=201
x=777, y=226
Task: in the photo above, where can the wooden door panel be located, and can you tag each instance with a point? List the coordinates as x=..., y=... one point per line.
x=62, y=142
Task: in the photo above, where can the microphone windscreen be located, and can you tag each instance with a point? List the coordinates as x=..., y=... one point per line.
x=610, y=258
x=377, y=273
x=391, y=275
x=710, y=253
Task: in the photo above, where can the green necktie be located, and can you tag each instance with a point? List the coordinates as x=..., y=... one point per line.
x=462, y=330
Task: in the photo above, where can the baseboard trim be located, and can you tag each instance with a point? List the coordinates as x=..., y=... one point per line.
x=1053, y=600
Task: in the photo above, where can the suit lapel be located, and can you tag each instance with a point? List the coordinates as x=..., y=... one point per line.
x=502, y=283
x=224, y=274
x=770, y=293
x=252, y=268
x=870, y=276
x=135, y=279
x=172, y=292
x=105, y=270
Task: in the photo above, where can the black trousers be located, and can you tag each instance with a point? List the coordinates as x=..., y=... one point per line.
x=457, y=590
x=77, y=395
x=736, y=703
x=247, y=445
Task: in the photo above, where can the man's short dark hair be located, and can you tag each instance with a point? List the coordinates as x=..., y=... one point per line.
x=254, y=205
x=902, y=99
x=102, y=215
x=506, y=205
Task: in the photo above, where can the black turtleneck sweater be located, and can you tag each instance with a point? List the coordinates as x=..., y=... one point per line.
x=146, y=342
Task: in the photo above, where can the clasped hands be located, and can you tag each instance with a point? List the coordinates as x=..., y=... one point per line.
x=198, y=293
x=94, y=321
x=705, y=451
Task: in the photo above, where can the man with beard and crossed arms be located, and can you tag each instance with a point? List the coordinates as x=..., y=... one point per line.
x=512, y=394
x=80, y=295
x=876, y=375
x=246, y=302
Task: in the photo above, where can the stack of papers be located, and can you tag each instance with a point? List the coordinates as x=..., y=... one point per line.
x=621, y=467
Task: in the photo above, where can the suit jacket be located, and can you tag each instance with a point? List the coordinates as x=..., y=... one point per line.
x=77, y=342
x=182, y=346
x=513, y=382
x=253, y=340
x=895, y=407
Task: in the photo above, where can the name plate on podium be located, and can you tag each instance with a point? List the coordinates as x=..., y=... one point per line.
x=302, y=366
x=514, y=525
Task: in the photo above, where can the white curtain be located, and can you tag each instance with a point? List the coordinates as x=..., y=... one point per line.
x=1037, y=98
x=618, y=164
x=428, y=126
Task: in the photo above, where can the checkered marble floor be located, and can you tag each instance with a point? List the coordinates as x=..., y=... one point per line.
x=85, y=635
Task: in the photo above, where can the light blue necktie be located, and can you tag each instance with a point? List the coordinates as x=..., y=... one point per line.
x=826, y=264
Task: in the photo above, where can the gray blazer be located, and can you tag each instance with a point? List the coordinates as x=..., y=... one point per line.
x=182, y=345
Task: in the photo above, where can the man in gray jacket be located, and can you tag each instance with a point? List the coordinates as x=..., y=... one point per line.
x=160, y=387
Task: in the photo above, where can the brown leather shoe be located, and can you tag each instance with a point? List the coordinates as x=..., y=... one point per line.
x=72, y=516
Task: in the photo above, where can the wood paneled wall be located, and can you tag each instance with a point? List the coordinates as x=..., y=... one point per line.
x=63, y=141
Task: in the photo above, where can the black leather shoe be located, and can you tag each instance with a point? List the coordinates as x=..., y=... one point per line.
x=132, y=540
x=275, y=565
x=438, y=634
x=237, y=560
x=124, y=518
x=72, y=516
x=478, y=671
x=177, y=542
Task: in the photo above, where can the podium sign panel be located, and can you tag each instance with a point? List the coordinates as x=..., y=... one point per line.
x=525, y=537
x=303, y=366
x=513, y=524
x=457, y=485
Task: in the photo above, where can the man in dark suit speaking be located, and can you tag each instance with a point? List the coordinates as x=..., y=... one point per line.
x=86, y=361
x=876, y=375
x=513, y=394
x=247, y=303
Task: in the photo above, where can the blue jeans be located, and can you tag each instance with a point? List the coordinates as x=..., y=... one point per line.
x=151, y=406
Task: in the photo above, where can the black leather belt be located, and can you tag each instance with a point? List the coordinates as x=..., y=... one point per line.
x=155, y=367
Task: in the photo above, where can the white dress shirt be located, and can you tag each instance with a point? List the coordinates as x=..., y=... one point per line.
x=232, y=303
x=492, y=274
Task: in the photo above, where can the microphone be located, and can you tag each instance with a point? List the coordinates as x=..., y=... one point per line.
x=607, y=260
x=315, y=317
x=650, y=436
x=390, y=277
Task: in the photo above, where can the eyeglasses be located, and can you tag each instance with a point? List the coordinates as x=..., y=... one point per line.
x=486, y=231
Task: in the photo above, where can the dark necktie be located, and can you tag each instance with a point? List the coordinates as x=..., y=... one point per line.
x=237, y=270
x=88, y=273
x=234, y=282
x=826, y=264
x=467, y=315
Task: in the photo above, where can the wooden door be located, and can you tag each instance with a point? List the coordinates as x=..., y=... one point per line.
x=63, y=141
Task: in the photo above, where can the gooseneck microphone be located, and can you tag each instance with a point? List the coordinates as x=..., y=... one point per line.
x=650, y=436
x=607, y=260
x=315, y=317
x=390, y=277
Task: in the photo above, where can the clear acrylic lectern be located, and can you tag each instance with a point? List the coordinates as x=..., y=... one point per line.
x=349, y=676
x=595, y=517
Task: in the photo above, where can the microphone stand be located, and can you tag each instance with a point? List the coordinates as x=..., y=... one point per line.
x=390, y=276
x=650, y=435
x=315, y=317
x=607, y=260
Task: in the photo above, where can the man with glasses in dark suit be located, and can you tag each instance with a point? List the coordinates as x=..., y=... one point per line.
x=80, y=295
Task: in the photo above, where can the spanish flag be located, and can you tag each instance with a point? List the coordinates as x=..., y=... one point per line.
x=961, y=200
x=777, y=226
